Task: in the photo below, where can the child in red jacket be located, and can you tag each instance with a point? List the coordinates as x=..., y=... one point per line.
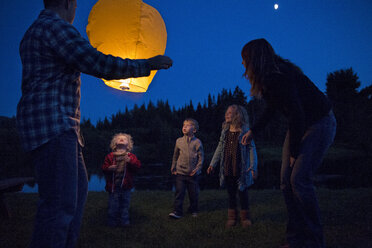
x=118, y=168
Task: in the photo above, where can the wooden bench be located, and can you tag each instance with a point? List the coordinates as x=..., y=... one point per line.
x=11, y=185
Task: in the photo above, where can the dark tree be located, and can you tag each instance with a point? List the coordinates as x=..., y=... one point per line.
x=342, y=90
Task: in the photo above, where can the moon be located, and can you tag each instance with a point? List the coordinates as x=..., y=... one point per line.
x=276, y=6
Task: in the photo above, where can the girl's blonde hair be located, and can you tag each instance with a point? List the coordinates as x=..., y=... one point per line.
x=239, y=118
x=117, y=136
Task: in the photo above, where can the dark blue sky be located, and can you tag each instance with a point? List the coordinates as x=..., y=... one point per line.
x=205, y=38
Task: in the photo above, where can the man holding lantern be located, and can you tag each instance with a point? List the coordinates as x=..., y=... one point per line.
x=53, y=55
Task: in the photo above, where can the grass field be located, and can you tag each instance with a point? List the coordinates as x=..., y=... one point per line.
x=347, y=217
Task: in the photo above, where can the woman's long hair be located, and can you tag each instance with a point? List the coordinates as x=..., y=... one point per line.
x=239, y=119
x=260, y=60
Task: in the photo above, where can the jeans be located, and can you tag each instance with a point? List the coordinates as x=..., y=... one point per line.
x=118, y=207
x=232, y=190
x=304, y=228
x=191, y=184
x=63, y=187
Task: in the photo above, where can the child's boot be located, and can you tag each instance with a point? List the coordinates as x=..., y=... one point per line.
x=231, y=217
x=245, y=219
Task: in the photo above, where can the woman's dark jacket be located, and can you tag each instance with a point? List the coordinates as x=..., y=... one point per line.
x=293, y=94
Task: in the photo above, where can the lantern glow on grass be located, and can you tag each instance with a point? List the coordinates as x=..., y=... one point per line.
x=127, y=29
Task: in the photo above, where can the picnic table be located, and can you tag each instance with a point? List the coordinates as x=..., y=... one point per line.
x=11, y=185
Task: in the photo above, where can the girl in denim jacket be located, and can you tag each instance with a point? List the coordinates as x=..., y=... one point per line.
x=238, y=163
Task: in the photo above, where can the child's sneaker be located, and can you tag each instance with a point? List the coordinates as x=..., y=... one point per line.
x=174, y=215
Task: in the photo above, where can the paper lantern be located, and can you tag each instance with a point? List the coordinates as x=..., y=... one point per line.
x=127, y=29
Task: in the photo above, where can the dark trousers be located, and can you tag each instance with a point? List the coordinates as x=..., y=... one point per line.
x=118, y=207
x=191, y=184
x=232, y=190
x=63, y=188
x=304, y=227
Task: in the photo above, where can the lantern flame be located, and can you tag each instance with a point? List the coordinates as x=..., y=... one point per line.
x=125, y=84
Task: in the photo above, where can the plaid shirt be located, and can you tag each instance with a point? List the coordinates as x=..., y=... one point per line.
x=53, y=55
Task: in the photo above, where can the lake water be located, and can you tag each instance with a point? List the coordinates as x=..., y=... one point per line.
x=95, y=184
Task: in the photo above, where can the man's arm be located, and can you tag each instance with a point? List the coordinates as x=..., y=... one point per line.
x=78, y=52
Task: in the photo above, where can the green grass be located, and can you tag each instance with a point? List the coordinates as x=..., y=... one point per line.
x=347, y=215
x=335, y=152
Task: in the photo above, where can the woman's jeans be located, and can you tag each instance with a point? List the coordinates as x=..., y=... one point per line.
x=192, y=185
x=304, y=228
x=63, y=186
x=232, y=190
x=118, y=207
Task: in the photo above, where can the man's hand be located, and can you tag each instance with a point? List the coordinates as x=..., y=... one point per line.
x=160, y=62
x=247, y=138
x=210, y=169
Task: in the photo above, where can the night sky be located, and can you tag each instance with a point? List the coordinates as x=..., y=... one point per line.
x=205, y=38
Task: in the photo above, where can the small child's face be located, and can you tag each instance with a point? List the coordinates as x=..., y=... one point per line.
x=230, y=112
x=188, y=128
x=122, y=143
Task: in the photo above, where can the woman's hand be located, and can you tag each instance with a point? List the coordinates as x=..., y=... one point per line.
x=210, y=169
x=247, y=138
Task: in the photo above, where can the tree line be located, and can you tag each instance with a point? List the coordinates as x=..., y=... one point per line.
x=156, y=126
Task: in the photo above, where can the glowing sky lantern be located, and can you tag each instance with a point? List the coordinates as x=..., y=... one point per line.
x=127, y=29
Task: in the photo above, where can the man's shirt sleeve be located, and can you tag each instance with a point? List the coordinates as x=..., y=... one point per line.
x=78, y=52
